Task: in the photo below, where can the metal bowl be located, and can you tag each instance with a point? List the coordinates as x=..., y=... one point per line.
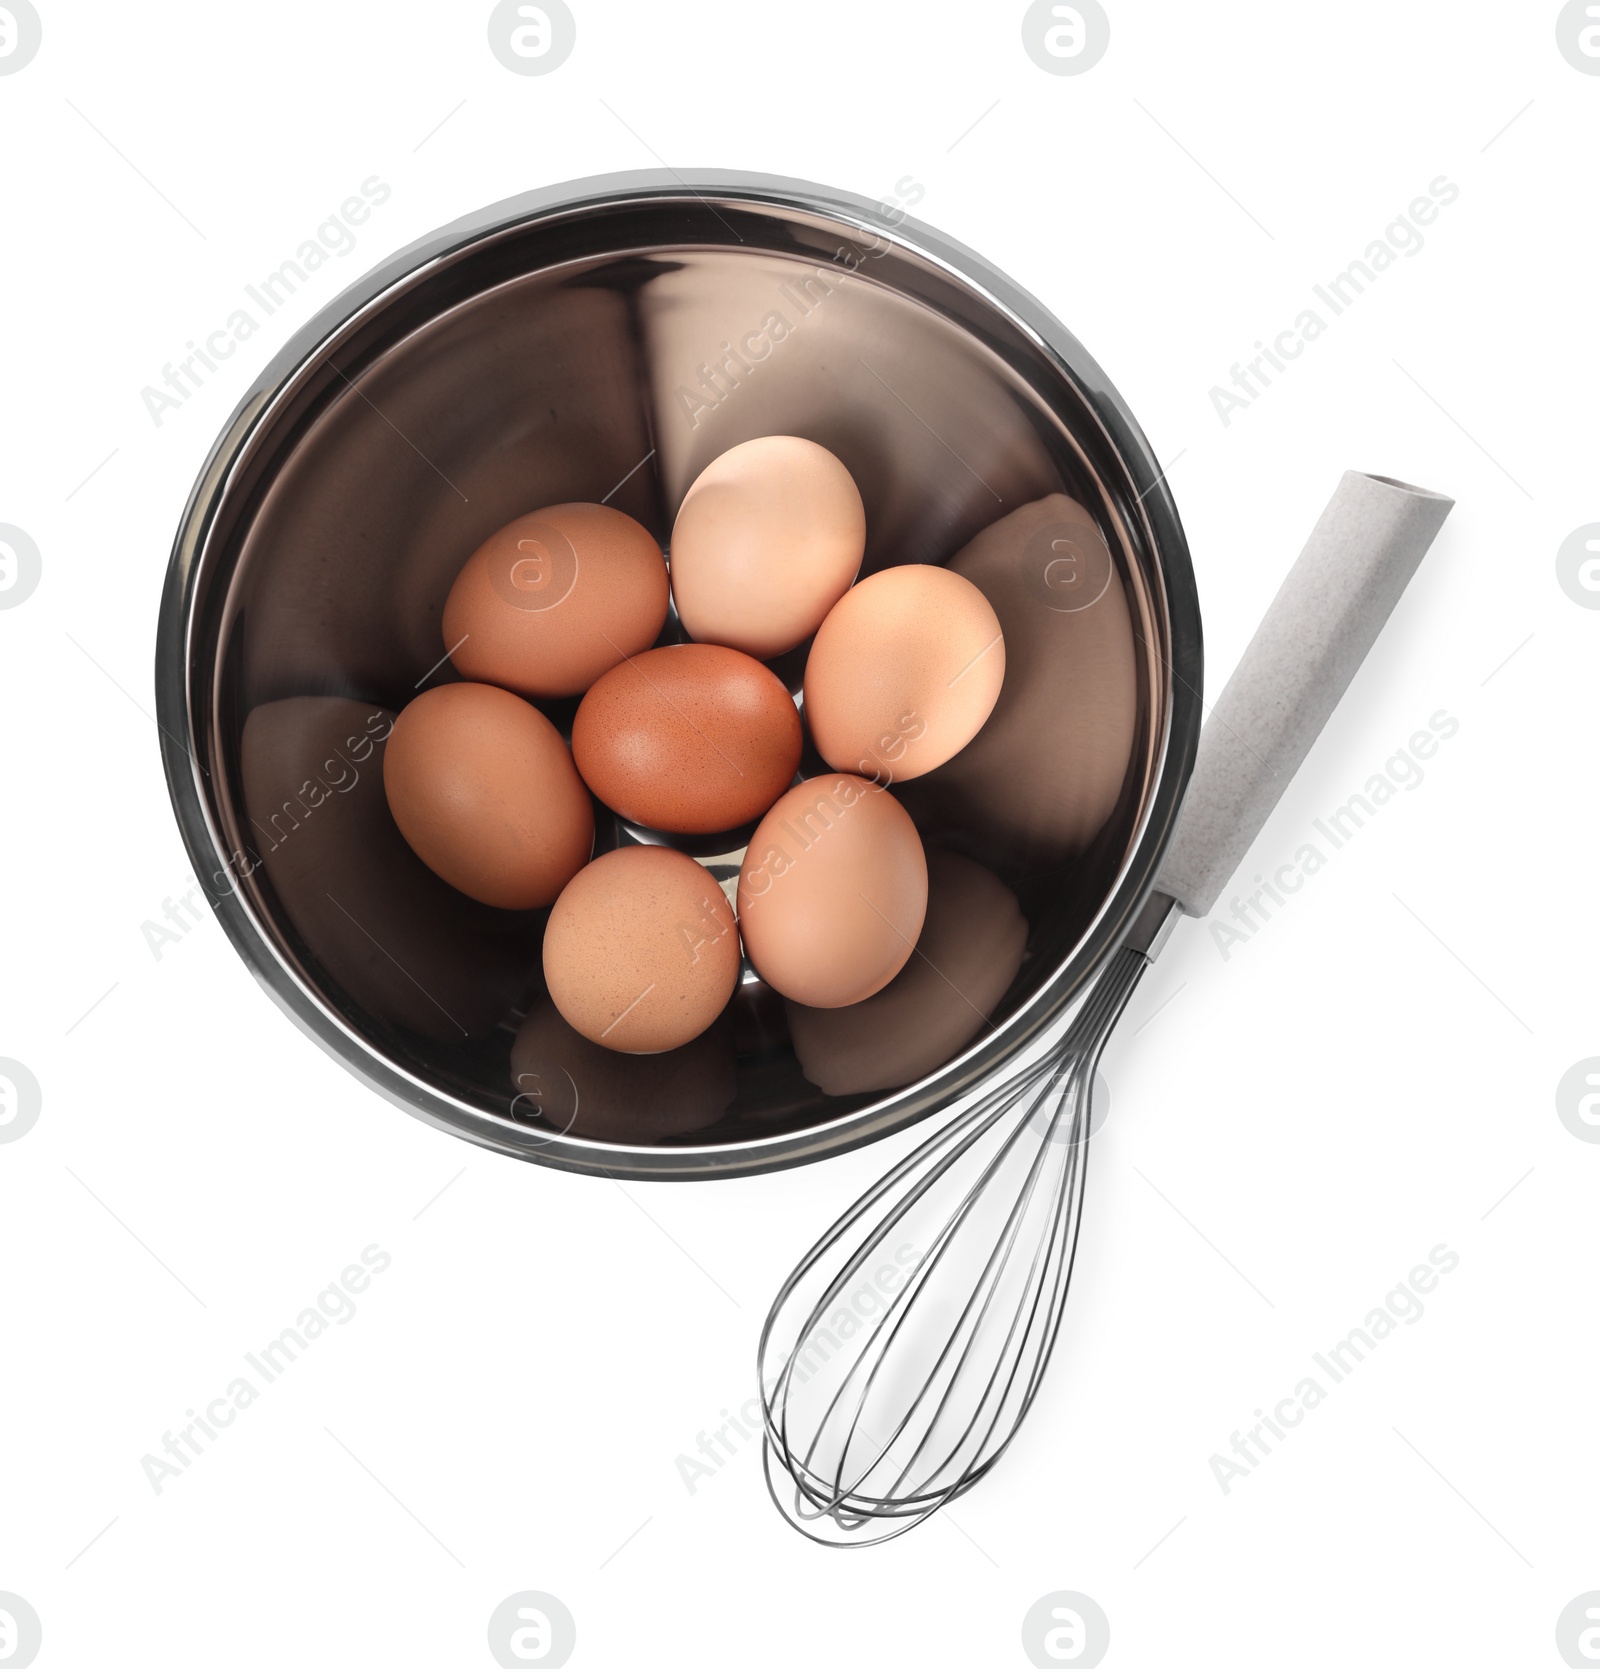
x=606, y=340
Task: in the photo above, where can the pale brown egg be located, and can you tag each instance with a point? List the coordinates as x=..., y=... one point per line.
x=691, y=738
x=905, y=670
x=486, y=794
x=767, y=540
x=641, y=952
x=1072, y=677
x=554, y=599
x=833, y=892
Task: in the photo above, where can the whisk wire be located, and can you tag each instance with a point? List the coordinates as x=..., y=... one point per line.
x=984, y=1112
x=884, y=1439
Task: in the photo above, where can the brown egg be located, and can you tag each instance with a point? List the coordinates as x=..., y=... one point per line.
x=833, y=892
x=692, y=738
x=903, y=673
x=971, y=949
x=767, y=540
x=486, y=794
x=641, y=952
x=571, y=1086
x=554, y=599
x=1072, y=676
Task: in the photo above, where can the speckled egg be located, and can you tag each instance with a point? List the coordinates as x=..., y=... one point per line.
x=641, y=952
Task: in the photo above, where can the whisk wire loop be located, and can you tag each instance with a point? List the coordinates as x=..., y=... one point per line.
x=877, y=1414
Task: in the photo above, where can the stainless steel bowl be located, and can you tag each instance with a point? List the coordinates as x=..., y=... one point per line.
x=606, y=339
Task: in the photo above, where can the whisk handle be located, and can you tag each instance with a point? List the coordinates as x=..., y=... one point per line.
x=1317, y=631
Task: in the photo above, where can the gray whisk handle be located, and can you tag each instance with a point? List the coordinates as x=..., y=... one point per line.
x=1317, y=631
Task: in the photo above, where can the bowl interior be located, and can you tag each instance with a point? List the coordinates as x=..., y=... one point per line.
x=608, y=352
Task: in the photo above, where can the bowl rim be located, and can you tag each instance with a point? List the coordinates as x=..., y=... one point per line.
x=1028, y=1028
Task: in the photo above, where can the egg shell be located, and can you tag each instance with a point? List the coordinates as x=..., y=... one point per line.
x=556, y=598
x=486, y=794
x=692, y=738
x=833, y=892
x=904, y=671
x=641, y=952
x=767, y=539
x=1072, y=676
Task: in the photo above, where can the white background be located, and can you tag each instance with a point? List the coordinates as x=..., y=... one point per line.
x=1291, y=1132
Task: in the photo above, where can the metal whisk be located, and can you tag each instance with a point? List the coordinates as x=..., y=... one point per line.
x=983, y=1219
x=902, y=1355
